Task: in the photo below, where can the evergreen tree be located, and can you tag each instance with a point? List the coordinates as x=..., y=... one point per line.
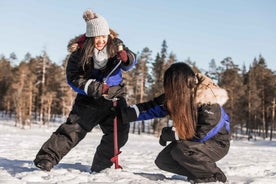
x=159, y=69
x=231, y=80
x=144, y=78
x=212, y=72
x=19, y=91
x=5, y=83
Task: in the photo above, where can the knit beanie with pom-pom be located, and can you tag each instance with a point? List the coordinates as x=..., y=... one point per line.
x=96, y=25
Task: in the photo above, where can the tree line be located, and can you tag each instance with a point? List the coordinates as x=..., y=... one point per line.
x=36, y=90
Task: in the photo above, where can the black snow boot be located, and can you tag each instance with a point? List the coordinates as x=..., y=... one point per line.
x=214, y=178
x=221, y=177
x=44, y=165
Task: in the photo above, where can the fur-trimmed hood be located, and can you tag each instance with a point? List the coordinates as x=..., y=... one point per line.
x=208, y=92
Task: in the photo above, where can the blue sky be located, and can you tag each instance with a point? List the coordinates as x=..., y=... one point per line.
x=201, y=30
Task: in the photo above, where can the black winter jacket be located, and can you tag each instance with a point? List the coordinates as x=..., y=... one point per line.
x=78, y=75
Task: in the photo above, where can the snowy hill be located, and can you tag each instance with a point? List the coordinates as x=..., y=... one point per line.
x=251, y=162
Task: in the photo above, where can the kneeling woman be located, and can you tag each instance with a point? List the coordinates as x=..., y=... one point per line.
x=200, y=132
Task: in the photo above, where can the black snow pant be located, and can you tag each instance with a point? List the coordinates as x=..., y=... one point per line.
x=192, y=159
x=85, y=115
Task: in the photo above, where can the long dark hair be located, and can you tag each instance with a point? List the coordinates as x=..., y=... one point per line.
x=180, y=89
x=89, y=45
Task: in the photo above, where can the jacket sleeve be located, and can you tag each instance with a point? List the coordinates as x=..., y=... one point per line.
x=151, y=109
x=131, y=60
x=77, y=80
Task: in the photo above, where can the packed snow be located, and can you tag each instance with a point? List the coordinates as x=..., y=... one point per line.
x=251, y=161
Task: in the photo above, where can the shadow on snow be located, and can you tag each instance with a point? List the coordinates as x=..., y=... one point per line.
x=18, y=166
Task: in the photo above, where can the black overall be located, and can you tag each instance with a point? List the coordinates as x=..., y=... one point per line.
x=197, y=159
x=85, y=115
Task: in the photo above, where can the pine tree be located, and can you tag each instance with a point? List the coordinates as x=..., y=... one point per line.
x=231, y=80
x=159, y=69
x=5, y=83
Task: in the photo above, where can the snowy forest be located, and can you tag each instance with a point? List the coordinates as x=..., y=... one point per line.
x=35, y=90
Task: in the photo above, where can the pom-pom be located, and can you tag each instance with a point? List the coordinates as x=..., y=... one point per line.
x=88, y=15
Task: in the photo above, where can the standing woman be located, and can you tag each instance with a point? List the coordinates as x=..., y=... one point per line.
x=200, y=132
x=94, y=72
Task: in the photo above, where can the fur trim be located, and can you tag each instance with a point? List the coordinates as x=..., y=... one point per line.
x=210, y=93
x=113, y=33
x=73, y=47
x=73, y=44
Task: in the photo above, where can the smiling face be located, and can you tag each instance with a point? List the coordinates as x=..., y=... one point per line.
x=101, y=41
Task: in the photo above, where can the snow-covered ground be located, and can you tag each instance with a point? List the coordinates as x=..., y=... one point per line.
x=247, y=162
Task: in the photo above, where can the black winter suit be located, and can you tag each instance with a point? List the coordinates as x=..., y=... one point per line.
x=194, y=159
x=190, y=158
x=89, y=111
